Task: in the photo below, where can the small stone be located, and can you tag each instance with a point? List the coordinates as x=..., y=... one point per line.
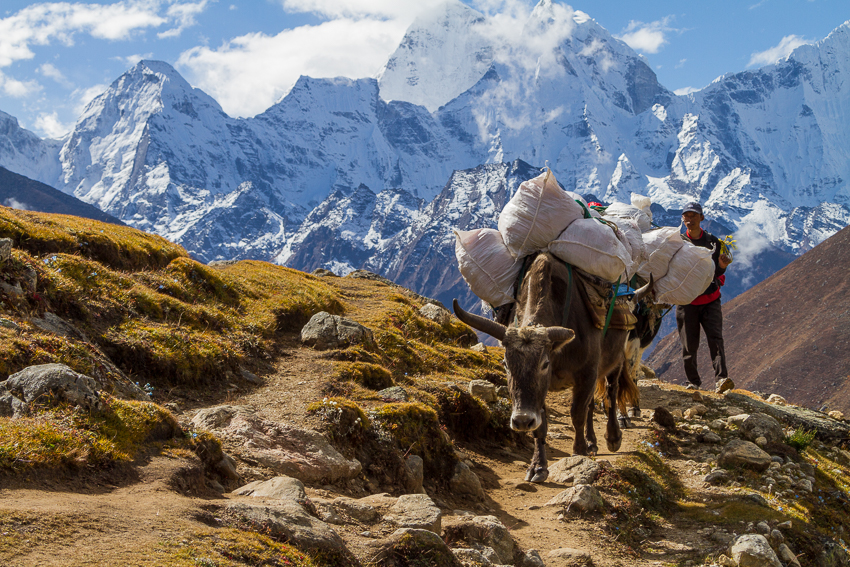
x=786, y=555
x=5, y=249
x=435, y=313
x=7, y=324
x=776, y=399
x=761, y=441
x=483, y=389
x=395, y=394
x=478, y=347
x=777, y=536
x=717, y=425
x=678, y=414
x=805, y=485
x=466, y=483
x=835, y=414
x=763, y=527
x=739, y=453
x=784, y=525
x=709, y=437
x=695, y=411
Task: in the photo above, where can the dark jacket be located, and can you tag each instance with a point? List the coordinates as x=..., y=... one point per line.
x=712, y=292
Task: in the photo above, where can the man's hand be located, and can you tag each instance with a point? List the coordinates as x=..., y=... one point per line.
x=724, y=260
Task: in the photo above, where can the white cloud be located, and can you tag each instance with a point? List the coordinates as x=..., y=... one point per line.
x=43, y=24
x=85, y=96
x=131, y=60
x=788, y=44
x=184, y=16
x=18, y=89
x=250, y=73
x=15, y=204
x=685, y=91
x=681, y=63
x=50, y=125
x=50, y=71
x=647, y=38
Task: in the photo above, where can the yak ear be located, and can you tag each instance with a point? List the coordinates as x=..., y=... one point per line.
x=560, y=337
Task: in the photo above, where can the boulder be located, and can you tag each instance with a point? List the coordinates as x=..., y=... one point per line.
x=483, y=532
x=464, y=482
x=828, y=430
x=740, y=453
x=359, y=510
x=753, y=550
x=759, y=425
x=288, y=450
x=44, y=383
x=5, y=249
x=290, y=522
x=394, y=394
x=415, y=511
x=408, y=546
x=569, y=556
x=664, y=418
x=580, y=498
x=776, y=399
x=58, y=326
x=325, y=331
x=415, y=467
x=277, y=488
x=483, y=389
x=435, y=313
x=576, y=469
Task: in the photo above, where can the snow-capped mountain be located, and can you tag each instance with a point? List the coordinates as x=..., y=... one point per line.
x=375, y=173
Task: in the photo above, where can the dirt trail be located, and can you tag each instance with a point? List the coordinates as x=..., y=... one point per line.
x=107, y=524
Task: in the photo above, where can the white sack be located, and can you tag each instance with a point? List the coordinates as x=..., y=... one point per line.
x=633, y=242
x=643, y=203
x=690, y=273
x=486, y=264
x=576, y=197
x=661, y=244
x=625, y=211
x=592, y=246
x=538, y=212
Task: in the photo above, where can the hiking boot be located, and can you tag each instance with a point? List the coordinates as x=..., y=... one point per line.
x=724, y=385
x=691, y=387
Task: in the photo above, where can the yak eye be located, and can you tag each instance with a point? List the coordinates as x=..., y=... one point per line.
x=545, y=365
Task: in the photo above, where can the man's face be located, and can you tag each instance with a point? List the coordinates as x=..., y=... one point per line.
x=692, y=221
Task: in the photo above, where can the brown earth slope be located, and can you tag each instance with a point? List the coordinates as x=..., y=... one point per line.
x=788, y=335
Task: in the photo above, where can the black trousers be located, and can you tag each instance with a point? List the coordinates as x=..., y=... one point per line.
x=689, y=319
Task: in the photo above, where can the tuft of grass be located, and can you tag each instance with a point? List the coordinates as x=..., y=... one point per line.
x=415, y=429
x=368, y=375
x=65, y=437
x=231, y=547
x=800, y=438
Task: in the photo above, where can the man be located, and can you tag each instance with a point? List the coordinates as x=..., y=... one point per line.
x=705, y=310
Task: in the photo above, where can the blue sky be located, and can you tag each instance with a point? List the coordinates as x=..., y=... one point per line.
x=56, y=57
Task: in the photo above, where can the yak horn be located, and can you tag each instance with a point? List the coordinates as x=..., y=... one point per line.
x=644, y=291
x=490, y=327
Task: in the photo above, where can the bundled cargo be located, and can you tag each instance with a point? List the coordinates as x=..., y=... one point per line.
x=690, y=272
x=486, y=264
x=538, y=212
x=632, y=240
x=661, y=244
x=638, y=211
x=594, y=247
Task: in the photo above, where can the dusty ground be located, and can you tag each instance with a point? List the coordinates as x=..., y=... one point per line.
x=129, y=520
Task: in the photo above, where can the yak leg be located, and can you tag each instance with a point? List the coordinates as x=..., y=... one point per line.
x=590, y=432
x=539, y=471
x=613, y=435
x=581, y=414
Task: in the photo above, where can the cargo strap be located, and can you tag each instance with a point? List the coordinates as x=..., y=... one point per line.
x=610, y=308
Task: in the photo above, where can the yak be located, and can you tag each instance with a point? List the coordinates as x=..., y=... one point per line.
x=554, y=344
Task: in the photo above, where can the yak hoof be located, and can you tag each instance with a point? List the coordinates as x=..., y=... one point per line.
x=540, y=476
x=625, y=422
x=614, y=446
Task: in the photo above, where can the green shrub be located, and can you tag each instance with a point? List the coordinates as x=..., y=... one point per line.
x=800, y=438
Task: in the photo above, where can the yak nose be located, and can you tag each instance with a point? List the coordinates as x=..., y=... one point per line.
x=524, y=421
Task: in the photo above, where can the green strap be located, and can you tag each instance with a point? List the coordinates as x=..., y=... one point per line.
x=611, y=308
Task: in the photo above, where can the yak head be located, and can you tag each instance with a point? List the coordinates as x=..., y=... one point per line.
x=530, y=352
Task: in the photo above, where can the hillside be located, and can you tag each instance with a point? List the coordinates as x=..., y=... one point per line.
x=207, y=428
x=788, y=335
x=21, y=192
